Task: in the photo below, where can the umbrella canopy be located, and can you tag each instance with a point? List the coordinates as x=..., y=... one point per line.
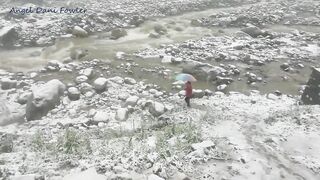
x=185, y=77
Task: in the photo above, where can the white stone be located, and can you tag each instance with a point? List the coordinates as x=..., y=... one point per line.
x=132, y=101
x=156, y=108
x=101, y=116
x=100, y=84
x=203, y=145
x=79, y=32
x=122, y=114
x=89, y=174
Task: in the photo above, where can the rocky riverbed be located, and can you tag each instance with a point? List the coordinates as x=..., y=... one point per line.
x=99, y=100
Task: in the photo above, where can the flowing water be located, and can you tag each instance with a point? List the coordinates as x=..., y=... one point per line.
x=100, y=46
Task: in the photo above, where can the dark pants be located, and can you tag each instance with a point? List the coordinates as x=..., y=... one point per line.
x=187, y=99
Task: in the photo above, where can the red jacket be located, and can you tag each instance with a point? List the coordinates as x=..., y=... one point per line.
x=188, y=89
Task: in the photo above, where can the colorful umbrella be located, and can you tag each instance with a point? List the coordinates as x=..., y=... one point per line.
x=185, y=77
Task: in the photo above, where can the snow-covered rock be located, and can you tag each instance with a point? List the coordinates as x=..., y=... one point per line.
x=8, y=36
x=154, y=177
x=7, y=83
x=122, y=114
x=131, y=101
x=198, y=93
x=73, y=93
x=100, y=84
x=156, y=108
x=203, y=145
x=101, y=116
x=118, y=33
x=87, y=72
x=44, y=99
x=79, y=32
x=81, y=79
x=253, y=31
x=11, y=112
x=130, y=81
x=89, y=174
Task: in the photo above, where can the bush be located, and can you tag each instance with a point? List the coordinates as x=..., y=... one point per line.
x=73, y=142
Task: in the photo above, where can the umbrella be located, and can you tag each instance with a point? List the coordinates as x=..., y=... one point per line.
x=185, y=77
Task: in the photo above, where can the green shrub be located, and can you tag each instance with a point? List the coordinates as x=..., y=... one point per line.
x=72, y=142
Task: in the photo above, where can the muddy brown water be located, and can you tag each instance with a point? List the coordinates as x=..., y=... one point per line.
x=179, y=30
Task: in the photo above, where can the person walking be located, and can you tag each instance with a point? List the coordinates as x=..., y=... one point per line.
x=188, y=89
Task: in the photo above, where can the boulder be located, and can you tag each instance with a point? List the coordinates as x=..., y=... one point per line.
x=167, y=59
x=253, y=31
x=87, y=72
x=130, y=81
x=311, y=93
x=11, y=113
x=81, y=79
x=131, y=101
x=118, y=33
x=7, y=83
x=23, y=98
x=203, y=71
x=73, y=93
x=89, y=174
x=44, y=99
x=156, y=109
x=224, y=80
x=154, y=177
x=203, y=145
x=8, y=36
x=101, y=116
x=78, y=54
x=222, y=87
x=79, y=32
x=122, y=114
x=160, y=29
x=198, y=93
x=27, y=177
x=100, y=84
x=154, y=35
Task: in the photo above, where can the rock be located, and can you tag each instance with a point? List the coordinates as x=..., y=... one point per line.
x=78, y=53
x=203, y=145
x=198, y=93
x=85, y=87
x=79, y=32
x=7, y=83
x=89, y=174
x=11, y=113
x=167, y=59
x=87, y=72
x=27, y=177
x=130, y=81
x=160, y=29
x=100, y=84
x=222, y=87
x=180, y=176
x=311, y=93
x=44, y=99
x=195, y=22
x=224, y=80
x=118, y=33
x=117, y=79
x=120, y=55
x=285, y=66
x=73, y=93
x=8, y=36
x=131, y=101
x=253, y=31
x=101, y=116
x=23, y=98
x=81, y=79
x=122, y=114
x=203, y=71
x=156, y=109
x=154, y=177
x=272, y=96
x=154, y=35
